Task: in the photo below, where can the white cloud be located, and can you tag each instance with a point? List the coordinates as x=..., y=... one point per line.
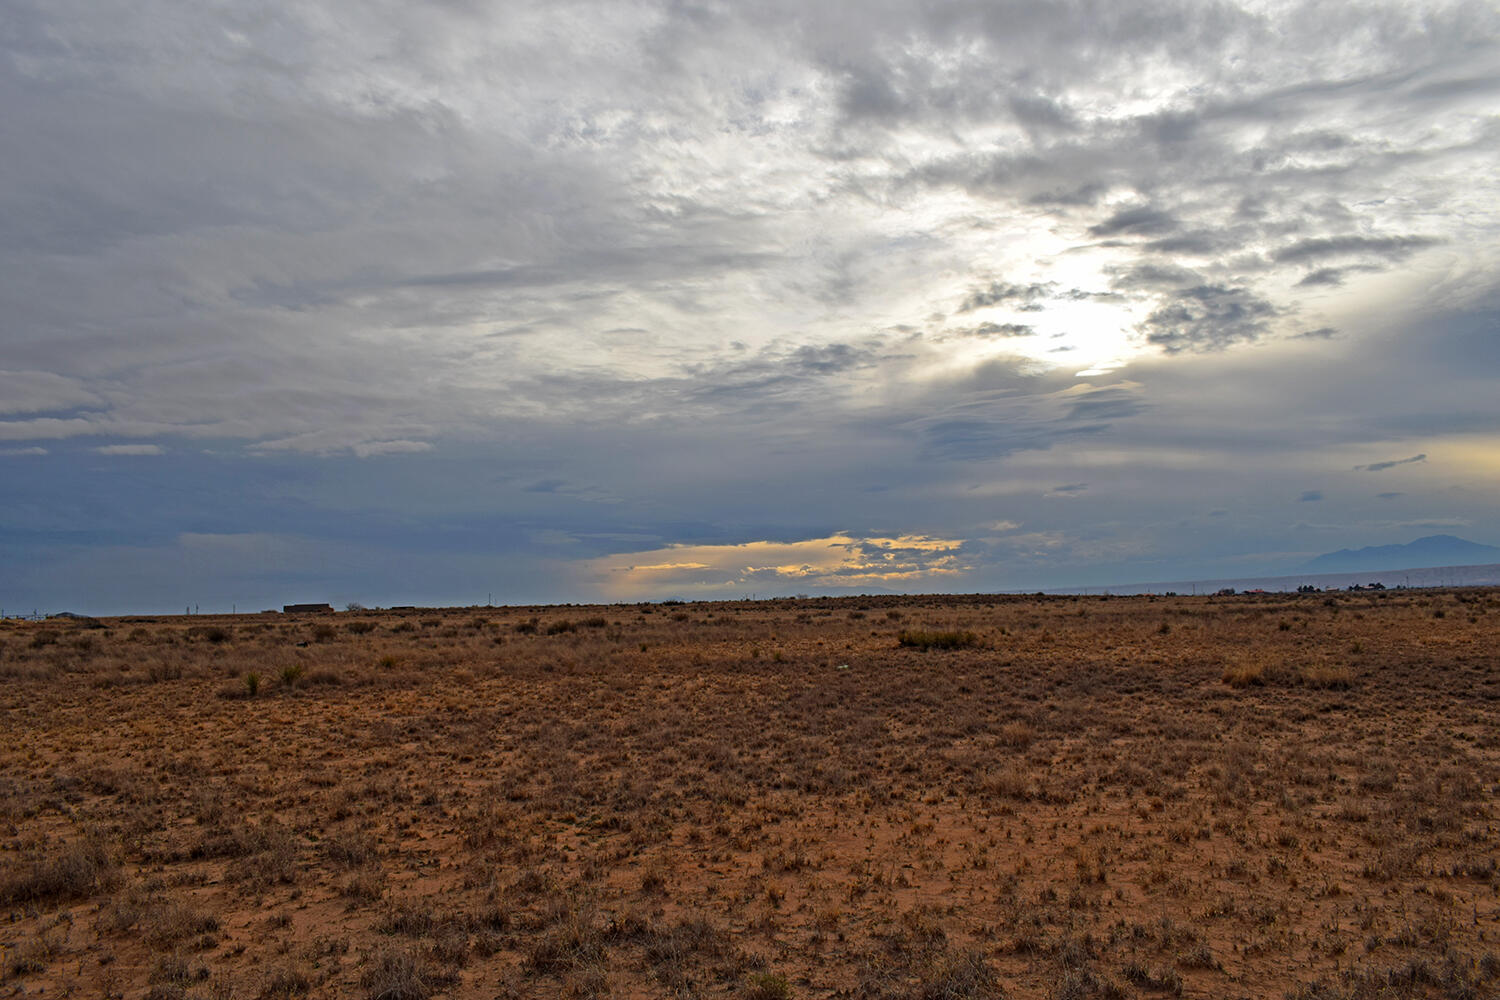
x=368, y=449
x=130, y=449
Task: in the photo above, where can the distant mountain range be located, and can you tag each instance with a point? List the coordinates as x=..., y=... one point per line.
x=1434, y=550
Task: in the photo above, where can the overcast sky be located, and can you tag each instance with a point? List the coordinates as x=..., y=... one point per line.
x=403, y=302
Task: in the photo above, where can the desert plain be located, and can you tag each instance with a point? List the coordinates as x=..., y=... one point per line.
x=887, y=797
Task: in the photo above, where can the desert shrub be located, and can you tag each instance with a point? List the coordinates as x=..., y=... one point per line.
x=572, y=944
x=367, y=884
x=963, y=976
x=1083, y=984
x=292, y=673
x=560, y=626
x=1200, y=956
x=208, y=633
x=360, y=627
x=1243, y=671
x=273, y=859
x=324, y=633
x=285, y=983
x=408, y=919
x=72, y=871
x=1165, y=980
x=30, y=958
x=352, y=849
x=174, y=970
x=925, y=639
x=1009, y=782
x=252, y=683
x=595, y=622
x=1017, y=735
x=160, y=670
x=172, y=922
x=398, y=975
x=526, y=628
x=766, y=986
x=1242, y=675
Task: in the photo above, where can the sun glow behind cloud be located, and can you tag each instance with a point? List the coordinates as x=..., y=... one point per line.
x=839, y=560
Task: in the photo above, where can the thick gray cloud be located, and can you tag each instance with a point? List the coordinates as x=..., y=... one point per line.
x=1389, y=247
x=725, y=273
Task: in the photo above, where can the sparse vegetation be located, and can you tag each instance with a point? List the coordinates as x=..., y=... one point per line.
x=760, y=800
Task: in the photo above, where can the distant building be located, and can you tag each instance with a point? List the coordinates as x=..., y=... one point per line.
x=300, y=609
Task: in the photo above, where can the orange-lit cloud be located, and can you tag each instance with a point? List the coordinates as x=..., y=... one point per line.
x=840, y=560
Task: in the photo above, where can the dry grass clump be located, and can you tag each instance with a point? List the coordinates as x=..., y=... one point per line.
x=399, y=974
x=1250, y=671
x=1331, y=677
x=48, y=873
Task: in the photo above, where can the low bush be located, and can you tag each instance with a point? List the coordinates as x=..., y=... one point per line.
x=73, y=871
x=921, y=639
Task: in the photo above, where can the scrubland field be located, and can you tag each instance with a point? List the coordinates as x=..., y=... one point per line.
x=937, y=798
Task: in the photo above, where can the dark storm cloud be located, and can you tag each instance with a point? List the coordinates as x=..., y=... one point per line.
x=1324, y=276
x=1141, y=221
x=1197, y=244
x=1032, y=297
x=1023, y=297
x=830, y=359
x=1382, y=466
x=1154, y=277
x=999, y=330
x=1394, y=248
x=1208, y=317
